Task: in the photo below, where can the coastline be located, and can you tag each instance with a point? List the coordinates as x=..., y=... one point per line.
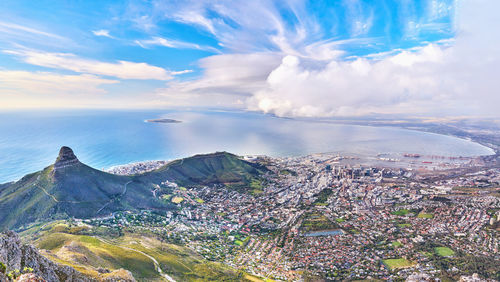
x=136, y=167
x=127, y=139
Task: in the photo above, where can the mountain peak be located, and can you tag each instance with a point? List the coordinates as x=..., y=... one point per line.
x=66, y=157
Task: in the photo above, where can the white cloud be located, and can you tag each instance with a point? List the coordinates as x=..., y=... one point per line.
x=17, y=34
x=440, y=80
x=246, y=26
x=361, y=19
x=12, y=28
x=160, y=41
x=102, y=32
x=26, y=89
x=313, y=79
x=348, y=87
x=194, y=17
x=234, y=75
x=22, y=89
x=67, y=61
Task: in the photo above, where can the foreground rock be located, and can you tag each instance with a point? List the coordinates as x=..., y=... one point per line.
x=32, y=266
x=18, y=256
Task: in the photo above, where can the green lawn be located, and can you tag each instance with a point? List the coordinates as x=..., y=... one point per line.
x=425, y=215
x=401, y=212
x=397, y=244
x=444, y=251
x=397, y=263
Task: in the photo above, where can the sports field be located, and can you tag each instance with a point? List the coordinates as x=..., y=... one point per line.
x=397, y=263
x=444, y=251
x=425, y=215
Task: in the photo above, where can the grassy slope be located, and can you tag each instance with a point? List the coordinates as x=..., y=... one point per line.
x=87, y=253
x=19, y=201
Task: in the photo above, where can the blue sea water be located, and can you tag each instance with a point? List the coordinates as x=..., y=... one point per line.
x=30, y=140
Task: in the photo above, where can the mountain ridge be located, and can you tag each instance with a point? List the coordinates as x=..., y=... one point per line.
x=71, y=189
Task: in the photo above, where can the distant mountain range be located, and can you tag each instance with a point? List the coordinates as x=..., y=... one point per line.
x=69, y=188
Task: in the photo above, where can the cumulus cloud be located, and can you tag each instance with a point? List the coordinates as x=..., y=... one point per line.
x=356, y=87
x=68, y=61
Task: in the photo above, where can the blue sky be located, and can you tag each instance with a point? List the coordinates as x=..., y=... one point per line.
x=219, y=54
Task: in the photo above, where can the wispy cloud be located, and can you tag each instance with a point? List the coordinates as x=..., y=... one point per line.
x=160, y=41
x=17, y=34
x=16, y=29
x=67, y=61
x=102, y=32
x=245, y=26
x=196, y=18
x=361, y=17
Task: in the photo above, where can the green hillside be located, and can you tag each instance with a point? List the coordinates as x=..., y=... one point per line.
x=75, y=191
x=134, y=252
x=217, y=168
x=69, y=188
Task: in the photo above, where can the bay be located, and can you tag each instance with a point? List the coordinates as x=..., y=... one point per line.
x=30, y=140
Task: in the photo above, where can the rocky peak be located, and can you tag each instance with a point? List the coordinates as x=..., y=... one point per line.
x=66, y=158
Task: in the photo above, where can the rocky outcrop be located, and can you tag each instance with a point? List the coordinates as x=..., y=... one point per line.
x=29, y=277
x=119, y=275
x=16, y=255
x=66, y=158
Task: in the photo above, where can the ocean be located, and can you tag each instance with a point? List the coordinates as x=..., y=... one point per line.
x=30, y=140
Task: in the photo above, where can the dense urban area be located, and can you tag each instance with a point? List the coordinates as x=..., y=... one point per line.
x=339, y=217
